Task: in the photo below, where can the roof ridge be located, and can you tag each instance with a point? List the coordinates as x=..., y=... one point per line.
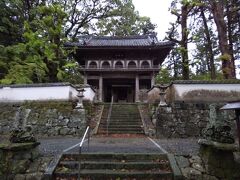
x=224, y=81
x=121, y=37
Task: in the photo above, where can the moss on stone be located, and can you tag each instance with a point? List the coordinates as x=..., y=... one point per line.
x=18, y=146
x=64, y=106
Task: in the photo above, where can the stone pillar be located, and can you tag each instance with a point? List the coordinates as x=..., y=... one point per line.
x=100, y=88
x=137, y=88
x=152, y=80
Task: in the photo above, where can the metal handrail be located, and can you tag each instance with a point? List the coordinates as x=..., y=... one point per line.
x=109, y=113
x=87, y=132
x=84, y=136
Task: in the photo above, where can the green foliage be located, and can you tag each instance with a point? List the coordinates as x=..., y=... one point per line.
x=207, y=76
x=163, y=76
x=124, y=21
x=11, y=22
x=41, y=58
x=225, y=57
x=32, y=35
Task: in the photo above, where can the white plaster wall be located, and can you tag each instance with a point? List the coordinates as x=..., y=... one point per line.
x=8, y=94
x=64, y=93
x=115, y=62
x=149, y=62
x=89, y=94
x=182, y=89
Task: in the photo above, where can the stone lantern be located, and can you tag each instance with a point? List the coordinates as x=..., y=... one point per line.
x=80, y=98
x=162, y=94
x=217, y=146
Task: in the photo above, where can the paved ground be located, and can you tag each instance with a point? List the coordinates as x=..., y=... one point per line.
x=131, y=144
x=120, y=144
x=180, y=146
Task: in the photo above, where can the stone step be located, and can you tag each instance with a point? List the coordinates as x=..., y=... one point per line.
x=104, y=131
x=128, y=157
x=109, y=166
x=110, y=174
x=122, y=126
x=125, y=118
x=120, y=117
x=124, y=110
x=125, y=115
x=116, y=131
x=73, y=165
x=124, y=122
x=125, y=132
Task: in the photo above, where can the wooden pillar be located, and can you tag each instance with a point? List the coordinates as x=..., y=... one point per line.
x=152, y=80
x=85, y=79
x=137, y=88
x=100, y=88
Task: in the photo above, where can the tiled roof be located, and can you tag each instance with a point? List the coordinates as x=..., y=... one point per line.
x=143, y=40
x=36, y=85
x=231, y=81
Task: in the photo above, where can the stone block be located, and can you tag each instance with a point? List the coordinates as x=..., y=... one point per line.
x=22, y=155
x=74, y=124
x=191, y=174
x=192, y=129
x=60, y=117
x=34, y=176
x=34, y=154
x=195, y=159
x=63, y=122
x=182, y=161
x=34, y=166
x=64, y=131
x=198, y=167
x=219, y=163
x=208, y=177
x=20, y=166
x=20, y=177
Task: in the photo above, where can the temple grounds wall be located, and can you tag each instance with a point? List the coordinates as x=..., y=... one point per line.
x=44, y=92
x=182, y=120
x=46, y=118
x=198, y=91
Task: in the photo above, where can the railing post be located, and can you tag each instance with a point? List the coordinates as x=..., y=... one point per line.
x=109, y=113
x=86, y=133
x=79, y=162
x=88, y=138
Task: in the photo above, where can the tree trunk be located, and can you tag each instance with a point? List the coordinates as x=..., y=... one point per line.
x=184, y=43
x=218, y=15
x=230, y=34
x=210, y=54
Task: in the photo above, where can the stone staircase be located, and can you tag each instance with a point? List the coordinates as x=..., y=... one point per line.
x=125, y=119
x=109, y=166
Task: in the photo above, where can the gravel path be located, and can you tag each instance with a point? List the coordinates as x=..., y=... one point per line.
x=53, y=146
x=187, y=146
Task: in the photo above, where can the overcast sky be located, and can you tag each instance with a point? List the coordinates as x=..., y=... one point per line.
x=157, y=10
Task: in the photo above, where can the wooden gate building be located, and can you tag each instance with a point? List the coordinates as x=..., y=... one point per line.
x=120, y=67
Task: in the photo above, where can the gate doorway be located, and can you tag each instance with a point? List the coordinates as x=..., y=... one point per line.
x=121, y=90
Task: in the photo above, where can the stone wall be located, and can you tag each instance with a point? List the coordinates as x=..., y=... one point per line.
x=45, y=118
x=182, y=120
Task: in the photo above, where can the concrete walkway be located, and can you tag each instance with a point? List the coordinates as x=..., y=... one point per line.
x=143, y=144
